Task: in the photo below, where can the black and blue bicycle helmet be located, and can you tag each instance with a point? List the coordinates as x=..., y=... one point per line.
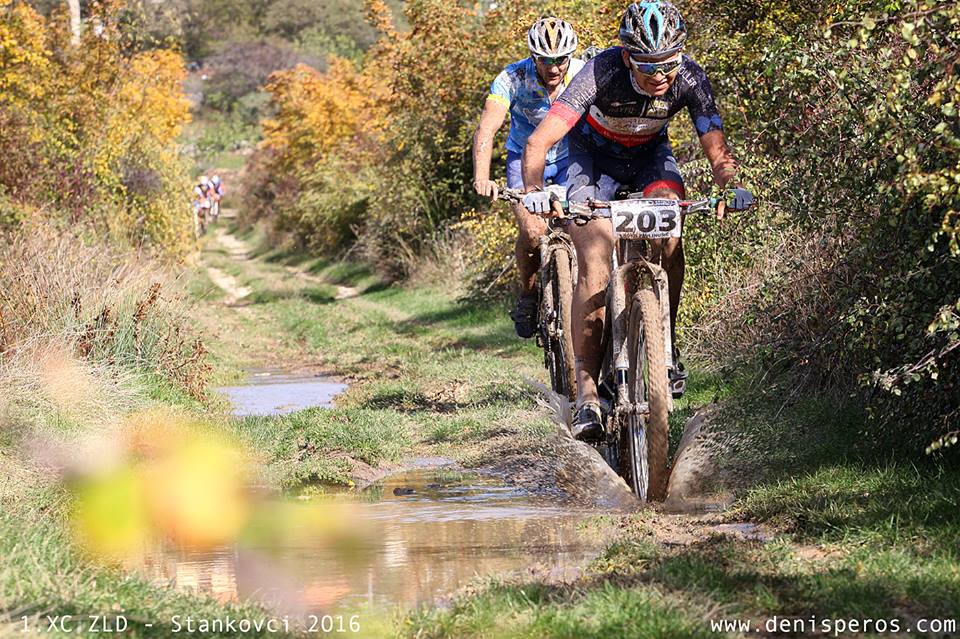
x=652, y=28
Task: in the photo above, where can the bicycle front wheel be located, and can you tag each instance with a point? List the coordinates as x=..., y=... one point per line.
x=647, y=434
x=563, y=364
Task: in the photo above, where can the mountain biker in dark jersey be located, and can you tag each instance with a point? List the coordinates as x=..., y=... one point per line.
x=616, y=112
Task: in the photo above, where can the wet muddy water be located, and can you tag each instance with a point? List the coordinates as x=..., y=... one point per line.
x=271, y=392
x=427, y=532
x=412, y=538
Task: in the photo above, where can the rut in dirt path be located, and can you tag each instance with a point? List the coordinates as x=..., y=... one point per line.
x=237, y=250
x=235, y=291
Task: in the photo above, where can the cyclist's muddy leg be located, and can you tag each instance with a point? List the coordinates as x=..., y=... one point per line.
x=669, y=253
x=531, y=227
x=594, y=244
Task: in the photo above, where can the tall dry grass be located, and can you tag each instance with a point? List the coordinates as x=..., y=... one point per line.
x=81, y=323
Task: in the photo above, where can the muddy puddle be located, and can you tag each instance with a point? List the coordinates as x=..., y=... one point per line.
x=271, y=392
x=420, y=535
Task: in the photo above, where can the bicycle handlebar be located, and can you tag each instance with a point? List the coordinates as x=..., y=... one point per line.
x=594, y=209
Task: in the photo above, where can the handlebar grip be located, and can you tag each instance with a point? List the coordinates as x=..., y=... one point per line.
x=556, y=205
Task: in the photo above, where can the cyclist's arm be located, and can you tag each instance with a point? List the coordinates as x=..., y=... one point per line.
x=721, y=159
x=722, y=162
x=702, y=106
x=548, y=133
x=492, y=118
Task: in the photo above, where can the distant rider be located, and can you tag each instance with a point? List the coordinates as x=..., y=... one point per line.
x=616, y=112
x=527, y=89
x=203, y=200
x=217, y=187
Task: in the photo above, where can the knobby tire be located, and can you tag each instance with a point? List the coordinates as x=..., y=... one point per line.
x=563, y=354
x=647, y=439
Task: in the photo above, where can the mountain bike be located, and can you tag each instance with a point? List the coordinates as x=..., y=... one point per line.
x=638, y=352
x=201, y=211
x=555, y=279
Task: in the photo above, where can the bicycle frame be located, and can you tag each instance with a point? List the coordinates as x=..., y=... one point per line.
x=628, y=267
x=554, y=332
x=635, y=394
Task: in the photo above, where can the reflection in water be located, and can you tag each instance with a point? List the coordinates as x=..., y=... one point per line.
x=211, y=572
x=416, y=547
x=276, y=393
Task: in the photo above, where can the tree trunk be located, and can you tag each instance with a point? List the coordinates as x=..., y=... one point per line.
x=74, y=21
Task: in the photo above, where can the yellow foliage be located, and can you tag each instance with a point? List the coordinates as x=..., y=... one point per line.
x=492, y=235
x=24, y=59
x=90, y=129
x=151, y=100
x=319, y=112
x=413, y=104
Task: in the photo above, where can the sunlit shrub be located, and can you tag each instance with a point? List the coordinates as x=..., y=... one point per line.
x=101, y=304
x=84, y=126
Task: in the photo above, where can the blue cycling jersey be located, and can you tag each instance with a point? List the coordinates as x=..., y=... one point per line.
x=519, y=88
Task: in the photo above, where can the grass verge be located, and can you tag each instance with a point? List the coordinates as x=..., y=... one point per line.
x=90, y=336
x=850, y=531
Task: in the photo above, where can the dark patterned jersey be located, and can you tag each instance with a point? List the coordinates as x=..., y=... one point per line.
x=610, y=114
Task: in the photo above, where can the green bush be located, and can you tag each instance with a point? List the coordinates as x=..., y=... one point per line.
x=848, y=122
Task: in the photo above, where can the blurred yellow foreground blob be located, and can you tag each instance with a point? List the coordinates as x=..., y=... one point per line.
x=180, y=480
x=177, y=480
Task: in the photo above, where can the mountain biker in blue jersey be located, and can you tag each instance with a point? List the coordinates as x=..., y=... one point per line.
x=615, y=115
x=527, y=89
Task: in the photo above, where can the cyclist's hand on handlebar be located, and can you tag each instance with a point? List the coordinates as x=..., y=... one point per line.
x=537, y=202
x=486, y=188
x=734, y=199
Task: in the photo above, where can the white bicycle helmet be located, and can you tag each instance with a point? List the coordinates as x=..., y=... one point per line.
x=204, y=180
x=551, y=37
x=215, y=180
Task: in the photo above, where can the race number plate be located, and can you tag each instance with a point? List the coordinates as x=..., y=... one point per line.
x=649, y=219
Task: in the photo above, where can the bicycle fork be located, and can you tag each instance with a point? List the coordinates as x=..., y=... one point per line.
x=621, y=357
x=620, y=276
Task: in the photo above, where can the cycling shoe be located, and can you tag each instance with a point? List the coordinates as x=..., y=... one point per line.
x=524, y=316
x=588, y=423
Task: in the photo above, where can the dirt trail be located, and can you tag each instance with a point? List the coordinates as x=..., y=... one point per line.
x=234, y=290
x=238, y=249
x=343, y=292
x=235, y=247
